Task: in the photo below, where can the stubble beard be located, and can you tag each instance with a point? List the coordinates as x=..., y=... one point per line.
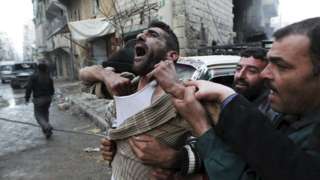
x=147, y=65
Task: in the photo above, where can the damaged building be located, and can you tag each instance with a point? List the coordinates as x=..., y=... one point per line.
x=72, y=34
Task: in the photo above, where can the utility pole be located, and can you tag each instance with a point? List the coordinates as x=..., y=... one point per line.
x=72, y=59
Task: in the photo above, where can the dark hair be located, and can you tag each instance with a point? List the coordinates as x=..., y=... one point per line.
x=311, y=29
x=121, y=60
x=257, y=53
x=43, y=73
x=130, y=43
x=172, y=40
x=42, y=67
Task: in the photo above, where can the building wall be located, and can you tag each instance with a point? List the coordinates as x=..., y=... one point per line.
x=28, y=41
x=252, y=19
x=205, y=21
x=39, y=20
x=196, y=23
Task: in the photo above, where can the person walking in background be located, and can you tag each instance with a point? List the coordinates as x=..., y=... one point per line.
x=41, y=86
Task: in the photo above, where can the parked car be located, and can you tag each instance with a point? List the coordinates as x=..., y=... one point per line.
x=6, y=71
x=22, y=72
x=220, y=68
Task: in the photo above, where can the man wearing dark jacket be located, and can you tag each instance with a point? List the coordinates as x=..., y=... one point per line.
x=247, y=82
x=289, y=148
x=41, y=86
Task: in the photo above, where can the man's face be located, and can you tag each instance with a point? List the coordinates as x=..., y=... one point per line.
x=150, y=49
x=247, y=79
x=289, y=74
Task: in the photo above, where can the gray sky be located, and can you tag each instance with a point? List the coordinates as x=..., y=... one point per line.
x=295, y=10
x=13, y=15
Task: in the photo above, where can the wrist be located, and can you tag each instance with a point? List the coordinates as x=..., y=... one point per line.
x=107, y=75
x=201, y=127
x=177, y=90
x=171, y=159
x=226, y=93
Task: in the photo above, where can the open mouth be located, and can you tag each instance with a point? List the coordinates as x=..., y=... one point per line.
x=140, y=50
x=273, y=89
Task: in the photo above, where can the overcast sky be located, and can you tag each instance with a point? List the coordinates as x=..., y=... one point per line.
x=15, y=13
x=295, y=10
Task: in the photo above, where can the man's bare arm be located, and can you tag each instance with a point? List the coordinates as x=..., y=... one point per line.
x=93, y=74
x=115, y=83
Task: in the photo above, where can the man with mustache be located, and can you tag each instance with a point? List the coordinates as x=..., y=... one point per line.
x=247, y=79
x=247, y=82
x=156, y=51
x=288, y=148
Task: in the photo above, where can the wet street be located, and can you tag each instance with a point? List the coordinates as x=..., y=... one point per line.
x=26, y=154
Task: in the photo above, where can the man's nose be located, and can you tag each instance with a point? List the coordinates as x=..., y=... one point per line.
x=240, y=74
x=141, y=36
x=266, y=72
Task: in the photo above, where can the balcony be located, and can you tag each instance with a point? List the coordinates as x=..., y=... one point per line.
x=56, y=14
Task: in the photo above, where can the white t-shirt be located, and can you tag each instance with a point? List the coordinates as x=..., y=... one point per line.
x=127, y=106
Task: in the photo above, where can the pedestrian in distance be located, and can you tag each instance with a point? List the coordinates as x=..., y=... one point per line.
x=41, y=86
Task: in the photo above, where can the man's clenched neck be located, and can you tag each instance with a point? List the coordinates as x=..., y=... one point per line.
x=158, y=91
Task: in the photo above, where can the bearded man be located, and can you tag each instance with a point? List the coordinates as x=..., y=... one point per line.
x=148, y=109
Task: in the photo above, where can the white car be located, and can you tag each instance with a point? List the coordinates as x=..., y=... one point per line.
x=6, y=71
x=216, y=68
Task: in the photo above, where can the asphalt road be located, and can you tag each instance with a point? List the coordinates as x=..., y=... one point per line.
x=26, y=154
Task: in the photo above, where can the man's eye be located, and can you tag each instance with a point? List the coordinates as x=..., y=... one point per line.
x=281, y=66
x=238, y=68
x=253, y=71
x=154, y=34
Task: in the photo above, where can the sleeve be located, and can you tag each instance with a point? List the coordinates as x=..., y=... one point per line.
x=188, y=161
x=220, y=161
x=266, y=150
x=29, y=89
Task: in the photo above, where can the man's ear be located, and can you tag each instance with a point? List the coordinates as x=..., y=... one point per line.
x=172, y=55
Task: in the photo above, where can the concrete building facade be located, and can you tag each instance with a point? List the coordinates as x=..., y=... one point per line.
x=198, y=24
x=28, y=44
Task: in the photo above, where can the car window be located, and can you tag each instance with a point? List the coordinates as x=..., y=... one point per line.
x=24, y=66
x=225, y=80
x=6, y=68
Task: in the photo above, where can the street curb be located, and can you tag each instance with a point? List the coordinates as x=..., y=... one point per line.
x=87, y=103
x=93, y=115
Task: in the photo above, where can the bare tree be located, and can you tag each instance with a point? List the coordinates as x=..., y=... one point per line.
x=124, y=10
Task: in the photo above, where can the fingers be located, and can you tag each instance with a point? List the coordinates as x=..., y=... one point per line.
x=106, y=142
x=188, y=96
x=109, y=68
x=107, y=149
x=136, y=148
x=120, y=86
x=161, y=174
x=189, y=93
x=142, y=147
x=143, y=138
x=108, y=156
x=192, y=83
x=160, y=67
